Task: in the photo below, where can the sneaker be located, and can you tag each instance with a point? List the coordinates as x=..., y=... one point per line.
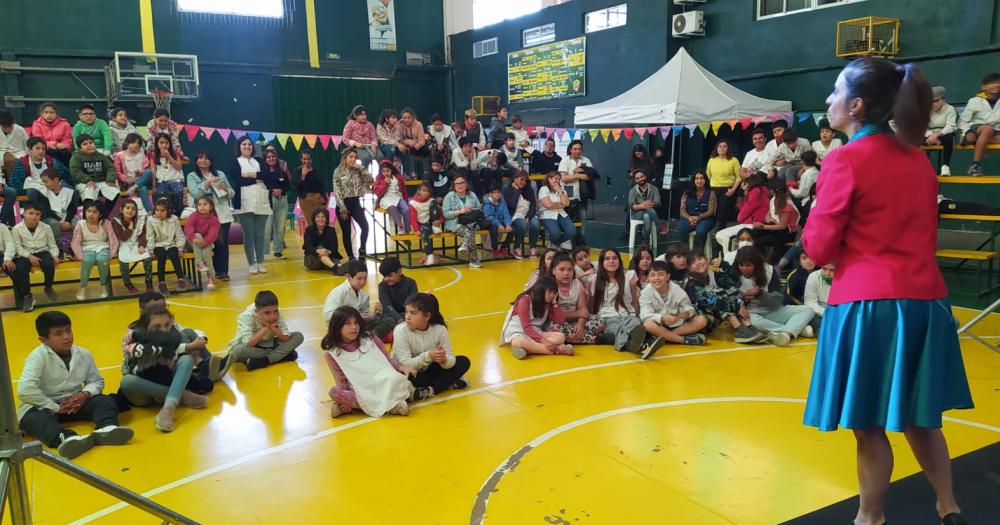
x=975, y=170
x=335, y=410
x=419, y=394
x=29, y=303
x=762, y=336
x=163, y=289
x=564, y=350
x=663, y=229
x=165, y=418
x=518, y=254
x=463, y=248
x=252, y=269
x=431, y=259
x=112, y=435
x=650, y=347
x=566, y=245
x=51, y=294
x=74, y=445
x=945, y=171
x=260, y=268
x=746, y=334
x=475, y=264
x=808, y=332
x=181, y=284
x=635, y=339
x=532, y=253
x=105, y=292
x=279, y=255
x=219, y=366
x=201, y=267
x=401, y=409
x=779, y=339
x=497, y=253
x=223, y=277
x=193, y=400
x=460, y=384
x=257, y=362
x=210, y=284
x=696, y=339
x=953, y=518
x=519, y=353
x=81, y=294
x=291, y=356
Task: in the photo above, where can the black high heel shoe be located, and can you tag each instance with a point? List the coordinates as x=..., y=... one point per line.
x=953, y=519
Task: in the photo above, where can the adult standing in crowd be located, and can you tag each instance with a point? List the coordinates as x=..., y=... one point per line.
x=723, y=172
x=350, y=183
x=309, y=187
x=251, y=203
x=205, y=180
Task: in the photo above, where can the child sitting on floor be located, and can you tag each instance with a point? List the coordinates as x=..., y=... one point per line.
x=262, y=337
x=528, y=314
x=638, y=272
x=717, y=296
x=667, y=312
x=166, y=238
x=94, y=241
x=422, y=343
x=795, y=284
x=366, y=376
x=617, y=303
x=817, y=292
x=580, y=327
x=158, y=365
x=351, y=293
x=60, y=382
x=585, y=268
x=426, y=218
x=202, y=229
x=544, y=266
x=395, y=288
x=760, y=284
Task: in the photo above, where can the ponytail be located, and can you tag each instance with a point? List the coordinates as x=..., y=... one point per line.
x=912, y=110
x=891, y=91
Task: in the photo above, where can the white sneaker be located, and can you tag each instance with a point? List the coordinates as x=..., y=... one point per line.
x=808, y=332
x=81, y=294
x=945, y=171
x=253, y=269
x=779, y=339
x=112, y=435
x=436, y=229
x=567, y=245
x=462, y=248
x=260, y=268
x=73, y=446
x=430, y=259
x=475, y=264
x=104, y=292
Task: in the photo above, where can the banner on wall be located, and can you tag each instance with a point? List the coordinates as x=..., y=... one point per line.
x=548, y=71
x=381, y=25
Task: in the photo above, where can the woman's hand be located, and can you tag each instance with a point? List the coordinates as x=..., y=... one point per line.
x=758, y=226
x=730, y=192
x=342, y=213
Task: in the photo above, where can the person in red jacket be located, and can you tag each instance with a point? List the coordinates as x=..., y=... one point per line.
x=202, y=228
x=390, y=194
x=56, y=132
x=755, y=207
x=888, y=356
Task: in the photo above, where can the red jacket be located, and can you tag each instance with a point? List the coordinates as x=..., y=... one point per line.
x=56, y=132
x=755, y=206
x=381, y=186
x=208, y=227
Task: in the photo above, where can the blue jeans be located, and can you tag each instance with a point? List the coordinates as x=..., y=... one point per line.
x=143, y=392
x=700, y=231
x=649, y=218
x=7, y=211
x=792, y=254
x=525, y=225
x=789, y=319
x=173, y=192
x=387, y=152
x=101, y=259
x=254, y=236
x=559, y=230
x=278, y=222
x=145, y=184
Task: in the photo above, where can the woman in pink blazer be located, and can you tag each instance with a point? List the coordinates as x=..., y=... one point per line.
x=888, y=356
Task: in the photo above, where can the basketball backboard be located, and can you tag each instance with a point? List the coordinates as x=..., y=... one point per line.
x=133, y=76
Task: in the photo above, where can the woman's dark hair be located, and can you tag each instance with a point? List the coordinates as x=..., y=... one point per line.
x=693, y=192
x=133, y=138
x=436, y=117
x=332, y=340
x=601, y=282
x=561, y=257
x=753, y=181
x=574, y=143
x=355, y=111
x=160, y=112
x=542, y=268
x=428, y=304
x=890, y=91
x=751, y=255
x=156, y=144
x=407, y=110
x=305, y=151
x=211, y=163
x=549, y=176
x=729, y=149
x=779, y=192
x=745, y=230
x=636, y=257
x=537, y=294
x=635, y=163
x=97, y=206
x=321, y=211
x=386, y=114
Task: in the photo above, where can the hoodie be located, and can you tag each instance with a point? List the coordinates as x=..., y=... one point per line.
x=56, y=132
x=118, y=134
x=979, y=110
x=99, y=131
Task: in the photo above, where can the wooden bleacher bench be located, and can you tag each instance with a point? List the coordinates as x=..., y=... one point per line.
x=966, y=147
x=972, y=255
x=965, y=179
x=980, y=257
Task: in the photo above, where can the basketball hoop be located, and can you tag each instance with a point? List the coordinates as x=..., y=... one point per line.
x=161, y=98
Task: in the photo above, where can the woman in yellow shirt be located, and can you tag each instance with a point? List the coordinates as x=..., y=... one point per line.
x=724, y=178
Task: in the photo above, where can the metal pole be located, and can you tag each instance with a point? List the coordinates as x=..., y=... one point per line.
x=972, y=322
x=4, y=478
x=10, y=442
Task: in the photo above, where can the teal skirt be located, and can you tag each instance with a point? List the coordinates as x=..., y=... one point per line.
x=888, y=363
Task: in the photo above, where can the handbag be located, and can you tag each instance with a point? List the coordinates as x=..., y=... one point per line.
x=473, y=218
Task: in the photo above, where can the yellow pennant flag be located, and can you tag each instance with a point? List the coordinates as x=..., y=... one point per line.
x=311, y=140
x=593, y=134
x=282, y=139
x=716, y=126
x=297, y=140
x=616, y=133
x=605, y=133
x=704, y=129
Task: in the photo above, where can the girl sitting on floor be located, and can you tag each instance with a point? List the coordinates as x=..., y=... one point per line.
x=585, y=268
x=544, y=266
x=760, y=284
x=717, y=296
x=638, y=272
x=528, y=314
x=367, y=377
x=617, y=302
x=580, y=327
x=93, y=243
x=422, y=343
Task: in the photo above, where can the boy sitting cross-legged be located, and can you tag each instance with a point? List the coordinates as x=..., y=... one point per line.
x=667, y=313
x=60, y=382
x=262, y=337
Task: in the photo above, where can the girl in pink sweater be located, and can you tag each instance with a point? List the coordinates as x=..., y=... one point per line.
x=56, y=132
x=93, y=243
x=530, y=311
x=201, y=230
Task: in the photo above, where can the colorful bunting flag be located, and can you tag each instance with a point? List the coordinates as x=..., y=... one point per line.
x=207, y=131
x=239, y=133
x=311, y=140
x=691, y=128
x=628, y=133
x=802, y=117
x=337, y=139
x=225, y=133
x=297, y=140
x=704, y=127
x=191, y=132
x=745, y=122
x=716, y=126
x=606, y=132
x=818, y=117
x=254, y=136
x=572, y=133
x=593, y=134
x=641, y=132
x=678, y=130
x=732, y=124
x=268, y=136
x=324, y=141
x=282, y=139
x=788, y=116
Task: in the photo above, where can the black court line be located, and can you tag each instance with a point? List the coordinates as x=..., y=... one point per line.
x=911, y=499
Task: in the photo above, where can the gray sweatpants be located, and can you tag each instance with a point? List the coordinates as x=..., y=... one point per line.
x=620, y=326
x=791, y=319
x=243, y=352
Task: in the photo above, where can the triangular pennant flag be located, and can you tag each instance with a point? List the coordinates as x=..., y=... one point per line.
x=641, y=132
x=652, y=129
x=605, y=132
x=239, y=133
x=254, y=136
x=745, y=122
x=759, y=119
x=593, y=134
x=628, y=133
x=297, y=140
x=788, y=116
x=572, y=133
x=191, y=132
x=802, y=117
x=818, y=117
x=180, y=128
x=337, y=139
x=678, y=130
x=225, y=133
x=716, y=126
x=732, y=124
x=311, y=140
x=268, y=136
x=282, y=139
x=704, y=127
x=324, y=140
x=207, y=131
x=691, y=128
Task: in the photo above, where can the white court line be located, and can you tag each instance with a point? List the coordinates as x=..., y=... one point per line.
x=336, y=430
x=489, y=486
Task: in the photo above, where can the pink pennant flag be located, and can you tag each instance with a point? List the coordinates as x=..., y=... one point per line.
x=207, y=131
x=788, y=117
x=549, y=132
x=759, y=119
x=628, y=133
x=225, y=133
x=745, y=122
x=665, y=132
x=337, y=139
x=651, y=129
x=324, y=140
x=191, y=132
x=641, y=132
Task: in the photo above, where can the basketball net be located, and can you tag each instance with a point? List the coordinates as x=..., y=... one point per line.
x=161, y=98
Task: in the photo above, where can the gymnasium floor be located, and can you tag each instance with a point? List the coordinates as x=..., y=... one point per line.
x=701, y=435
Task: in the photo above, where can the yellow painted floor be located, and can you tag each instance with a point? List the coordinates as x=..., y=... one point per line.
x=698, y=435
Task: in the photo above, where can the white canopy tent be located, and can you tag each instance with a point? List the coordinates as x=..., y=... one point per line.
x=681, y=92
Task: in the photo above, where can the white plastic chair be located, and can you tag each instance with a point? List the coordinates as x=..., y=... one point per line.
x=708, y=245
x=634, y=224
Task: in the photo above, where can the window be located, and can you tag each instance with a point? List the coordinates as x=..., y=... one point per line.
x=769, y=8
x=484, y=48
x=538, y=35
x=605, y=18
x=265, y=8
x=487, y=12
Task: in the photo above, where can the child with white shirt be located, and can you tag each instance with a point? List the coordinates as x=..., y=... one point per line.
x=817, y=291
x=808, y=173
x=667, y=313
x=6, y=250
x=59, y=205
x=422, y=343
x=60, y=382
x=166, y=163
x=34, y=246
x=351, y=293
x=166, y=239
x=827, y=141
x=262, y=337
x=26, y=177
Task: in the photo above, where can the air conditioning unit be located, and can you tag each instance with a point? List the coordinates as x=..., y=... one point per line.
x=688, y=2
x=691, y=23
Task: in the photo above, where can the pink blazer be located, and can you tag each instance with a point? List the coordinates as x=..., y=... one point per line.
x=876, y=217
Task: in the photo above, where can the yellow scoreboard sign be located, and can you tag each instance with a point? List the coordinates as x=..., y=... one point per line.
x=548, y=71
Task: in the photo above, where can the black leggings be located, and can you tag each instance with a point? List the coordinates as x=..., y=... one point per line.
x=947, y=144
x=357, y=212
x=723, y=206
x=441, y=379
x=147, y=265
x=162, y=254
x=220, y=255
